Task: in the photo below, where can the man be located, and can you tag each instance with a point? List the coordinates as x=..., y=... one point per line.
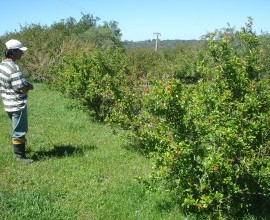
x=14, y=88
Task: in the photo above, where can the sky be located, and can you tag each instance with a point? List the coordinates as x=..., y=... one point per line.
x=138, y=20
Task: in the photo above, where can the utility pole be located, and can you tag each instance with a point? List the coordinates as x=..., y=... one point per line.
x=157, y=34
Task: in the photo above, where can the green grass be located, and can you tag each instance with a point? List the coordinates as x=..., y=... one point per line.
x=82, y=171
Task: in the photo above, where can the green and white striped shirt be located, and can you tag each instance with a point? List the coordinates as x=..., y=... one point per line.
x=11, y=80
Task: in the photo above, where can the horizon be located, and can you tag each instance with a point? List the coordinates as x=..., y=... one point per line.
x=139, y=20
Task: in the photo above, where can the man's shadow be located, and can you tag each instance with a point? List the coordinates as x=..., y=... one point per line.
x=59, y=151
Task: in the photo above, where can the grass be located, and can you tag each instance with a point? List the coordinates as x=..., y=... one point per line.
x=82, y=171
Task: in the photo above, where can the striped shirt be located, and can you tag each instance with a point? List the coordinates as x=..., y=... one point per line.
x=11, y=80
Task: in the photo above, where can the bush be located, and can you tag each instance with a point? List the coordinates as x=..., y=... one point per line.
x=48, y=43
x=100, y=79
x=211, y=140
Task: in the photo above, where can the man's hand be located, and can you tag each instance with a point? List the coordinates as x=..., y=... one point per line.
x=26, y=88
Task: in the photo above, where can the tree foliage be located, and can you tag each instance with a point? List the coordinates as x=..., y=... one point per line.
x=48, y=43
x=210, y=140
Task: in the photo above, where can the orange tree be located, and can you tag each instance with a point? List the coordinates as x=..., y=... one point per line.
x=210, y=140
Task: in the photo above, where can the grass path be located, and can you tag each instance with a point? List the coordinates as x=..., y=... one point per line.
x=82, y=169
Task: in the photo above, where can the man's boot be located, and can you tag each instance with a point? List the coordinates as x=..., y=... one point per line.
x=19, y=151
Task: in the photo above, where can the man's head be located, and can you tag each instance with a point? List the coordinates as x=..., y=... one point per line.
x=14, y=49
x=15, y=44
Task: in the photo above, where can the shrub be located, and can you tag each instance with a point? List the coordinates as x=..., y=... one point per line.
x=210, y=141
x=100, y=79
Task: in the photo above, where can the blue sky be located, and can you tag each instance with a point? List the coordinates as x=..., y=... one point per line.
x=139, y=19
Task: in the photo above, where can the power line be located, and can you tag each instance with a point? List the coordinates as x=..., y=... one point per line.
x=72, y=5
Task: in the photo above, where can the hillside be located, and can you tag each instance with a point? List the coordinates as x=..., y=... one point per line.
x=162, y=44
